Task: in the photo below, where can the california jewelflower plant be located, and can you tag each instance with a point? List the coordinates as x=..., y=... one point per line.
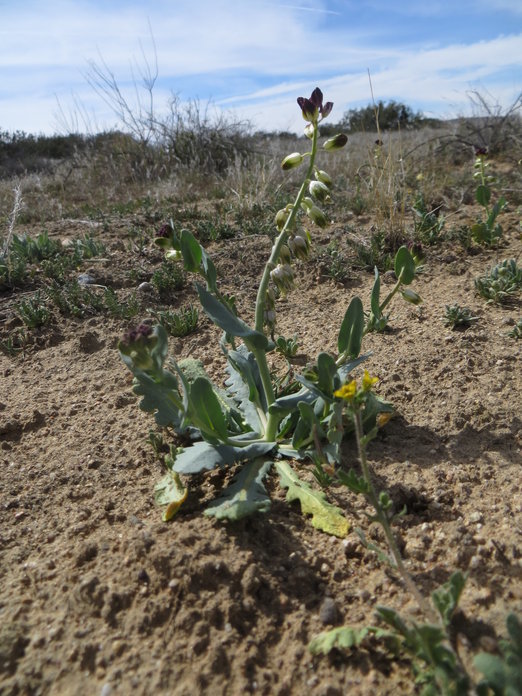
x=254, y=421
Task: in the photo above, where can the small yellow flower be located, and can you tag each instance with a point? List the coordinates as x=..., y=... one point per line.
x=368, y=381
x=347, y=391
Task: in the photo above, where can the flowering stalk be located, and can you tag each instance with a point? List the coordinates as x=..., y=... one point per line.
x=260, y=355
x=355, y=399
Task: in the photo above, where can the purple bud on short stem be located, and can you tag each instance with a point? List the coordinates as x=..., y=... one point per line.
x=336, y=143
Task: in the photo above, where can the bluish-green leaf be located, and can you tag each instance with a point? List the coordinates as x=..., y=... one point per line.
x=245, y=386
x=206, y=406
x=346, y=368
x=404, y=265
x=223, y=317
x=203, y=456
x=160, y=397
x=483, y=195
x=326, y=371
x=352, y=328
x=245, y=495
x=375, y=299
x=191, y=251
x=286, y=404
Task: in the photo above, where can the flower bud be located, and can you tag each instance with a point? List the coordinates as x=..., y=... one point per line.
x=309, y=130
x=336, y=143
x=291, y=161
x=319, y=191
x=285, y=255
x=270, y=317
x=281, y=218
x=411, y=296
x=307, y=203
x=137, y=344
x=317, y=216
x=283, y=277
x=270, y=298
x=164, y=237
x=173, y=255
x=323, y=177
x=299, y=247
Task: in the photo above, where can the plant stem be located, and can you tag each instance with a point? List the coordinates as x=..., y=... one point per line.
x=281, y=239
x=385, y=523
x=260, y=355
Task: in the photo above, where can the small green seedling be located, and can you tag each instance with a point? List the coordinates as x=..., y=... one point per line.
x=456, y=316
x=501, y=283
x=486, y=231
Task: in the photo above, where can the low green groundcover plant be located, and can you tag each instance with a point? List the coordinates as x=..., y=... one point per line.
x=259, y=421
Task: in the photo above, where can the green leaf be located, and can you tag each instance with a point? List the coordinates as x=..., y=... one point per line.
x=245, y=386
x=206, y=409
x=494, y=670
x=352, y=327
x=159, y=396
x=446, y=598
x=503, y=675
x=223, y=317
x=353, y=482
x=326, y=371
x=191, y=250
x=404, y=265
x=288, y=404
x=342, y=638
x=171, y=492
x=325, y=516
x=203, y=456
x=375, y=299
x=483, y=195
x=245, y=495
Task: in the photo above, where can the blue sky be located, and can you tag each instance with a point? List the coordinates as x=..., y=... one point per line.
x=255, y=57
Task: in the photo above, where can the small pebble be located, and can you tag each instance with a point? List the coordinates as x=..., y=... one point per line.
x=106, y=690
x=145, y=287
x=86, y=279
x=328, y=613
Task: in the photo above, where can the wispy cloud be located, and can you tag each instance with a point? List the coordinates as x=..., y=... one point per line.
x=256, y=56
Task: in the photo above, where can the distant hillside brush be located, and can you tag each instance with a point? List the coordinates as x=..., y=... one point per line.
x=391, y=115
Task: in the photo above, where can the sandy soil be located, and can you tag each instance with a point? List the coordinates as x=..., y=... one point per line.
x=99, y=596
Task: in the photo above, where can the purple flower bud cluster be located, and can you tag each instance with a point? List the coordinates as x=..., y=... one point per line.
x=313, y=107
x=164, y=231
x=135, y=335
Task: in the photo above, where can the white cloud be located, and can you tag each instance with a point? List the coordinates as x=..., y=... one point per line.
x=260, y=55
